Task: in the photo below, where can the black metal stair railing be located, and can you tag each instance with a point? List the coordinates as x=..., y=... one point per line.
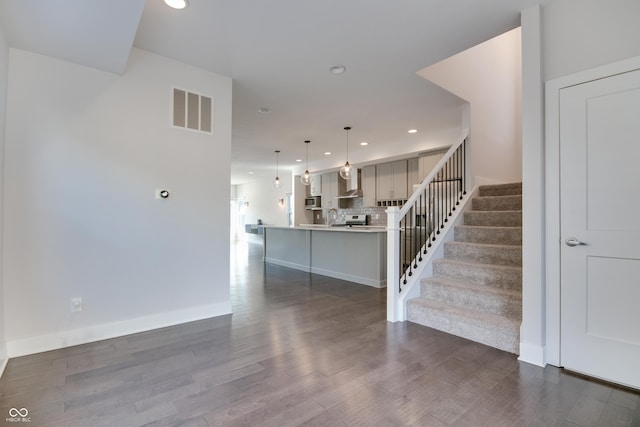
x=428, y=212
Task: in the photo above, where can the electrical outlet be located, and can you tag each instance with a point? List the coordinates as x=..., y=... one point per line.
x=76, y=305
x=317, y=216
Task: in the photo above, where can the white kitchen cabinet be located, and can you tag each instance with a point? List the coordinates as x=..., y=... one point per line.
x=330, y=190
x=315, y=189
x=400, y=179
x=369, y=186
x=413, y=173
x=427, y=162
x=384, y=181
x=391, y=180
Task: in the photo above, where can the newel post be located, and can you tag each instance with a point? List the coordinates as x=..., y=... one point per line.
x=393, y=262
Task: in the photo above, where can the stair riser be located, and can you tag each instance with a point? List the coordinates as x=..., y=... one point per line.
x=503, y=338
x=490, y=236
x=506, y=277
x=503, y=203
x=493, y=218
x=500, y=190
x=498, y=255
x=501, y=305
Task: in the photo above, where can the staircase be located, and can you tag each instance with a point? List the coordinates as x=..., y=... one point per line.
x=476, y=289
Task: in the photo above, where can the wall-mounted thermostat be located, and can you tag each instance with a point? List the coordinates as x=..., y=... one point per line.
x=162, y=193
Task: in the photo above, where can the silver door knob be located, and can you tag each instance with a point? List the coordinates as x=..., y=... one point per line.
x=572, y=241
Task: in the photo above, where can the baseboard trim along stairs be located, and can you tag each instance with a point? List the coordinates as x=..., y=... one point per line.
x=476, y=289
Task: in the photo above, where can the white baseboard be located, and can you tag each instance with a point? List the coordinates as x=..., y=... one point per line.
x=288, y=264
x=351, y=278
x=336, y=275
x=39, y=344
x=533, y=354
x=3, y=359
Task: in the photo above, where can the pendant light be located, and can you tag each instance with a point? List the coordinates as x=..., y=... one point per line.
x=347, y=169
x=306, y=178
x=276, y=182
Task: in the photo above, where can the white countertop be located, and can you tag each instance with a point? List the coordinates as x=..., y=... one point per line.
x=343, y=229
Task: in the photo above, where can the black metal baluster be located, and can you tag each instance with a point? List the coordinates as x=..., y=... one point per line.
x=455, y=173
x=409, y=256
x=439, y=197
x=407, y=250
x=464, y=167
x=439, y=203
x=458, y=151
x=436, y=203
x=419, y=224
x=400, y=261
x=423, y=222
x=414, y=238
x=447, y=203
x=402, y=266
x=431, y=213
x=451, y=204
x=448, y=188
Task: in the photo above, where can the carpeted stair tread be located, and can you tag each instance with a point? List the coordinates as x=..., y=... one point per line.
x=488, y=235
x=496, y=331
x=498, y=301
x=497, y=203
x=494, y=218
x=500, y=189
x=500, y=276
x=484, y=253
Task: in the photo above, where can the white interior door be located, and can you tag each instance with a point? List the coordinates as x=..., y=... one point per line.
x=600, y=211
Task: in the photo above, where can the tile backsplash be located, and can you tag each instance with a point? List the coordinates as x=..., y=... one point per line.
x=375, y=215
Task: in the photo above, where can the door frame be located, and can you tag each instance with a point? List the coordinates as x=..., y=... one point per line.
x=552, y=193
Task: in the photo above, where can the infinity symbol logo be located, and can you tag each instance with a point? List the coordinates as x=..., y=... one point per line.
x=23, y=412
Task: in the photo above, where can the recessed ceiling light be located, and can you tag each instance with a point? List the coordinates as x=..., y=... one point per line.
x=298, y=160
x=250, y=173
x=364, y=143
x=413, y=130
x=264, y=110
x=177, y=4
x=327, y=153
x=338, y=69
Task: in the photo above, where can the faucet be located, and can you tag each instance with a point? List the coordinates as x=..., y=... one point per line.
x=329, y=220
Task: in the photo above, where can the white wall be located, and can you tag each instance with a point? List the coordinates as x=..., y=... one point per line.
x=488, y=76
x=564, y=37
x=532, y=333
x=581, y=34
x=4, y=75
x=263, y=200
x=85, y=151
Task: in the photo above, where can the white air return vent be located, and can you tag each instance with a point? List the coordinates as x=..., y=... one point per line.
x=192, y=111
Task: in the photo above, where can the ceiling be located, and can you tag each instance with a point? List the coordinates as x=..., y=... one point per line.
x=279, y=54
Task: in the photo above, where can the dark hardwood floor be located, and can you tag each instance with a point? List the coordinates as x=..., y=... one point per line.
x=301, y=349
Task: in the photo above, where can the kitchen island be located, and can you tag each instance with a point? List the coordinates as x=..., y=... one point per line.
x=357, y=254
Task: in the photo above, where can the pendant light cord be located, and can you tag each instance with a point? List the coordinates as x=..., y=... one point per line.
x=347, y=128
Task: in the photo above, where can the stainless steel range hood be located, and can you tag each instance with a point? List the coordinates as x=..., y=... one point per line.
x=351, y=194
x=353, y=187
